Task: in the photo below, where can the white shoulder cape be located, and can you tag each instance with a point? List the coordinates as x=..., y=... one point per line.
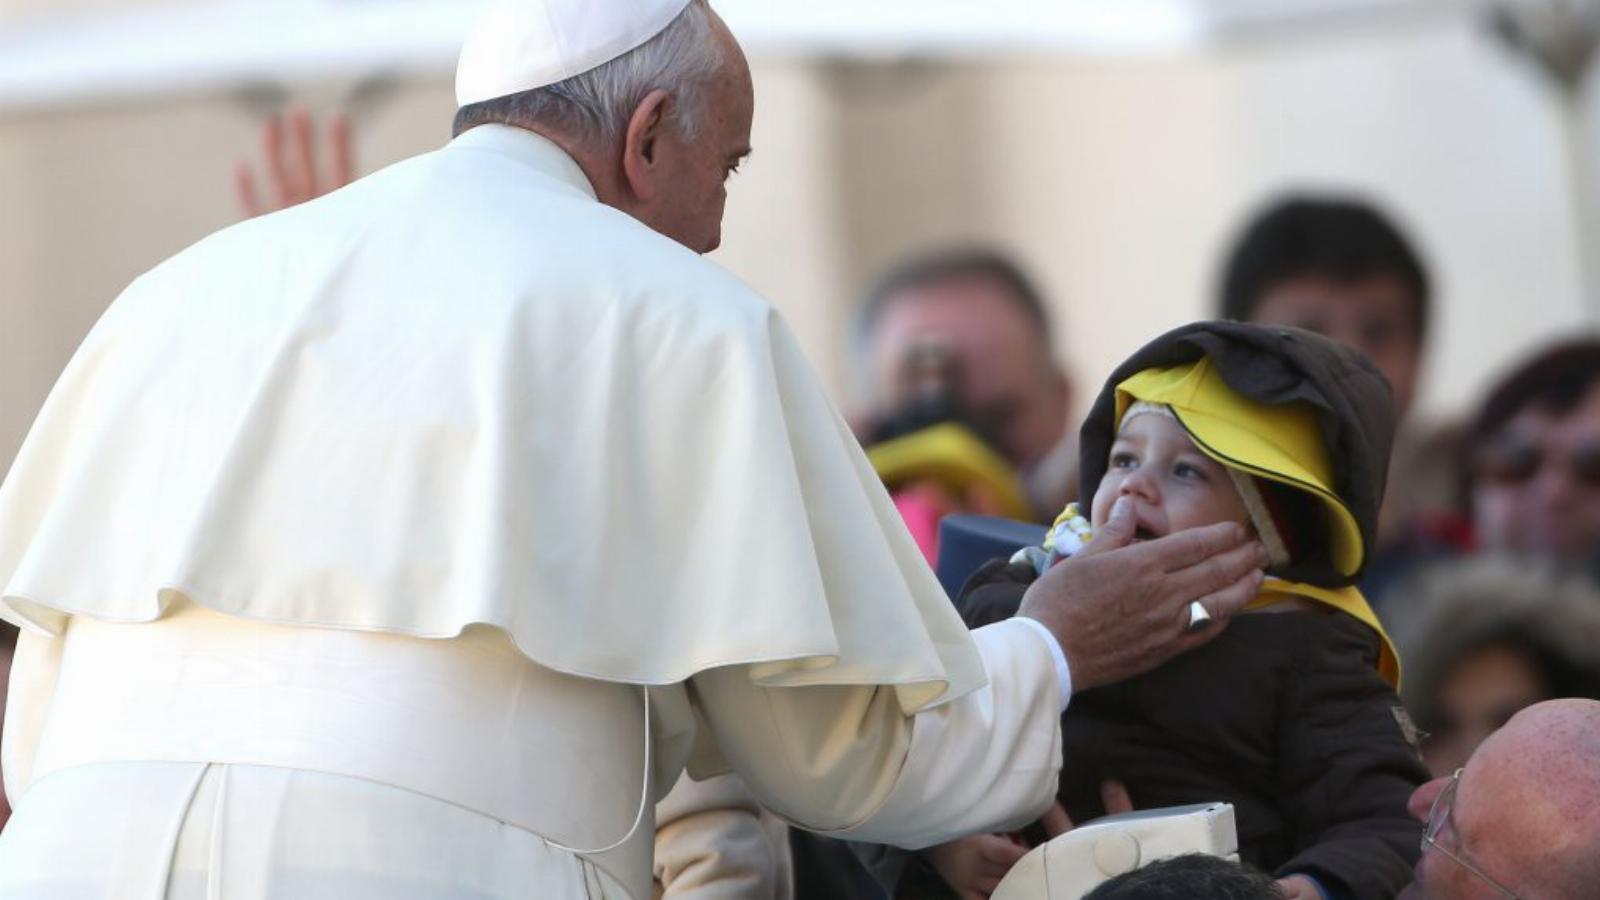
x=463, y=391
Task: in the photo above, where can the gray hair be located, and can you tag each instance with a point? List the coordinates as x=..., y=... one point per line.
x=594, y=106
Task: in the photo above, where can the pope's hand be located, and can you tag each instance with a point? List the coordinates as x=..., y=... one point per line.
x=1120, y=609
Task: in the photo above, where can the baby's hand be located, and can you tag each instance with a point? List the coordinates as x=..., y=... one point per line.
x=974, y=865
x=1298, y=887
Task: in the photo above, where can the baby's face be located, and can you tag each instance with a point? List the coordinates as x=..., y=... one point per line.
x=1172, y=484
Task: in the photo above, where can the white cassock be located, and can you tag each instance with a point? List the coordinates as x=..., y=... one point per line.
x=409, y=543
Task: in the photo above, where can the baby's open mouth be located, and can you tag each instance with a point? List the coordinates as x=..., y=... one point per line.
x=1143, y=533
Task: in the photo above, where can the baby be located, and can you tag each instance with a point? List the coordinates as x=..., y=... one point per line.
x=1290, y=714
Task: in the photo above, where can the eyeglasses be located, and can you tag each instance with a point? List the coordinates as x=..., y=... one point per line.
x=1514, y=460
x=1438, y=815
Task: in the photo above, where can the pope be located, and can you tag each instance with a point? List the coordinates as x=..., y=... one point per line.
x=408, y=543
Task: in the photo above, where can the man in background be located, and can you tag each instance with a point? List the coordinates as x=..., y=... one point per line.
x=1522, y=818
x=1534, y=454
x=1339, y=266
x=981, y=311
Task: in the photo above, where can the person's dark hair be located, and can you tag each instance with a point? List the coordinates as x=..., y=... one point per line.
x=1193, y=876
x=1339, y=238
x=951, y=265
x=1555, y=379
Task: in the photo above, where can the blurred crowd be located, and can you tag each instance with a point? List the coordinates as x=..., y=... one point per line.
x=1486, y=569
x=1488, y=560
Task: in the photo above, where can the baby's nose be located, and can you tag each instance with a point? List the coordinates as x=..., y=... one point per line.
x=1138, y=483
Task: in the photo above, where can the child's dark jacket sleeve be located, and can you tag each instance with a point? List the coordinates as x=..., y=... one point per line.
x=994, y=592
x=1347, y=769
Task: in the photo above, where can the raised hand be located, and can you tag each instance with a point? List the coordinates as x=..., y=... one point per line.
x=291, y=174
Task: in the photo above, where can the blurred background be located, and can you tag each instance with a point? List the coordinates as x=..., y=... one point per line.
x=1114, y=147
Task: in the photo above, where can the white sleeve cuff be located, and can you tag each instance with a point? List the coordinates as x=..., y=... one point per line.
x=1063, y=673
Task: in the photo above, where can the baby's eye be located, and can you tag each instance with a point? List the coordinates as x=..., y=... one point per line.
x=1122, y=459
x=1189, y=470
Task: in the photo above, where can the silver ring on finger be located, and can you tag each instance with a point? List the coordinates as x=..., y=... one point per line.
x=1199, y=619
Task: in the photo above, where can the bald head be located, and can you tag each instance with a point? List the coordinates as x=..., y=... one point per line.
x=1538, y=779
x=1526, y=811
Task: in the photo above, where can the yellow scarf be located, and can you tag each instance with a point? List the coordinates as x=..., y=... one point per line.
x=1347, y=600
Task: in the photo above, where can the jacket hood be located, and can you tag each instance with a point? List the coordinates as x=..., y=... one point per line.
x=1278, y=366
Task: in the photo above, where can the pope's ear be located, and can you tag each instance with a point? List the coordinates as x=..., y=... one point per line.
x=642, y=144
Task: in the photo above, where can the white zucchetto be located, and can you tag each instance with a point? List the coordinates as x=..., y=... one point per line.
x=519, y=45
